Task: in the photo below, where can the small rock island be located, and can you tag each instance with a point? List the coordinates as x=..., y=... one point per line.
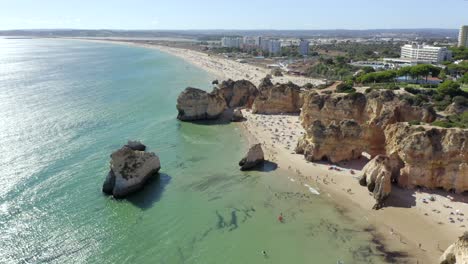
x=130, y=168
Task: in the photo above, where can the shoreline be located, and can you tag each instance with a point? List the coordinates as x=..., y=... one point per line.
x=219, y=67
x=400, y=228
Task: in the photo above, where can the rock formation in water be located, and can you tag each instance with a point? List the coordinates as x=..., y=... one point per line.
x=130, y=169
x=278, y=98
x=456, y=253
x=195, y=104
x=239, y=93
x=135, y=145
x=237, y=115
x=341, y=127
x=253, y=158
x=377, y=176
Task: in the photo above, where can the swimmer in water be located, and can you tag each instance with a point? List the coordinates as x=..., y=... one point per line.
x=263, y=252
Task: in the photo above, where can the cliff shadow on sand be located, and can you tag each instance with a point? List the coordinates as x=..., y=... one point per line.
x=151, y=193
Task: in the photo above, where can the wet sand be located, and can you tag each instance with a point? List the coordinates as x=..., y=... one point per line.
x=406, y=222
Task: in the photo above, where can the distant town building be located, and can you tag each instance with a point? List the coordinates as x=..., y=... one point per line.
x=232, y=42
x=272, y=46
x=304, y=47
x=425, y=53
x=258, y=41
x=463, y=37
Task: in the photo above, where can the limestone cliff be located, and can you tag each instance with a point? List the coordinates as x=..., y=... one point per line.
x=278, y=98
x=195, y=104
x=432, y=157
x=238, y=93
x=377, y=176
x=371, y=113
x=341, y=127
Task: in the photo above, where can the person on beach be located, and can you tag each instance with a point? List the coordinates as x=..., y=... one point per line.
x=280, y=218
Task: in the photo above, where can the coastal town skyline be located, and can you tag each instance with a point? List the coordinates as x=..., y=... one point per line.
x=242, y=15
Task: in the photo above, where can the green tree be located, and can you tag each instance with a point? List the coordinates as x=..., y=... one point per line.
x=449, y=88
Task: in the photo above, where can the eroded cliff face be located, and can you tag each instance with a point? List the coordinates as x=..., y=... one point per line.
x=377, y=176
x=371, y=114
x=432, y=157
x=195, y=104
x=341, y=127
x=239, y=93
x=277, y=98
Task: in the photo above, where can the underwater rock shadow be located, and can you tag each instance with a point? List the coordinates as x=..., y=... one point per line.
x=266, y=166
x=151, y=193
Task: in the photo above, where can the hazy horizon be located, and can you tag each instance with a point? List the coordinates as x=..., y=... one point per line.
x=241, y=15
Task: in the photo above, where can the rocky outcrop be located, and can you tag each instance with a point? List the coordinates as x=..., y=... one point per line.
x=136, y=145
x=253, y=158
x=456, y=253
x=432, y=157
x=195, y=104
x=341, y=127
x=238, y=93
x=377, y=176
x=130, y=169
x=323, y=142
x=456, y=109
x=371, y=114
x=237, y=115
x=277, y=99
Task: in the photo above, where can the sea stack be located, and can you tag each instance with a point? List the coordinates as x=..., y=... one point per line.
x=195, y=104
x=456, y=253
x=253, y=158
x=237, y=115
x=130, y=168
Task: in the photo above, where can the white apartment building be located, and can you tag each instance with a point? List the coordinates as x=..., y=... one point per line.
x=231, y=42
x=463, y=37
x=273, y=46
x=425, y=53
x=304, y=47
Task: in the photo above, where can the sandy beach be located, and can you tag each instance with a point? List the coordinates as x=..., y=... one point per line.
x=219, y=67
x=421, y=223
x=408, y=224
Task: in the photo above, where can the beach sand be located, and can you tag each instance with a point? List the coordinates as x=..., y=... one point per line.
x=423, y=229
x=405, y=223
x=218, y=66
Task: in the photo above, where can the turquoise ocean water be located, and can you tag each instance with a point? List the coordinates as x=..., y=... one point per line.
x=66, y=105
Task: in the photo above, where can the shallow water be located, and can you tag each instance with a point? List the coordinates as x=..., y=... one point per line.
x=66, y=105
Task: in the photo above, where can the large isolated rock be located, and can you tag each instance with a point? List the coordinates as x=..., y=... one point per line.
x=278, y=98
x=377, y=176
x=136, y=145
x=253, y=158
x=456, y=253
x=239, y=93
x=237, y=115
x=129, y=170
x=195, y=104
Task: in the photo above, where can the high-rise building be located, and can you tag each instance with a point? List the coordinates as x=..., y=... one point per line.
x=304, y=47
x=272, y=46
x=425, y=53
x=463, y=37
x=258, y=41
x=231, y=42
